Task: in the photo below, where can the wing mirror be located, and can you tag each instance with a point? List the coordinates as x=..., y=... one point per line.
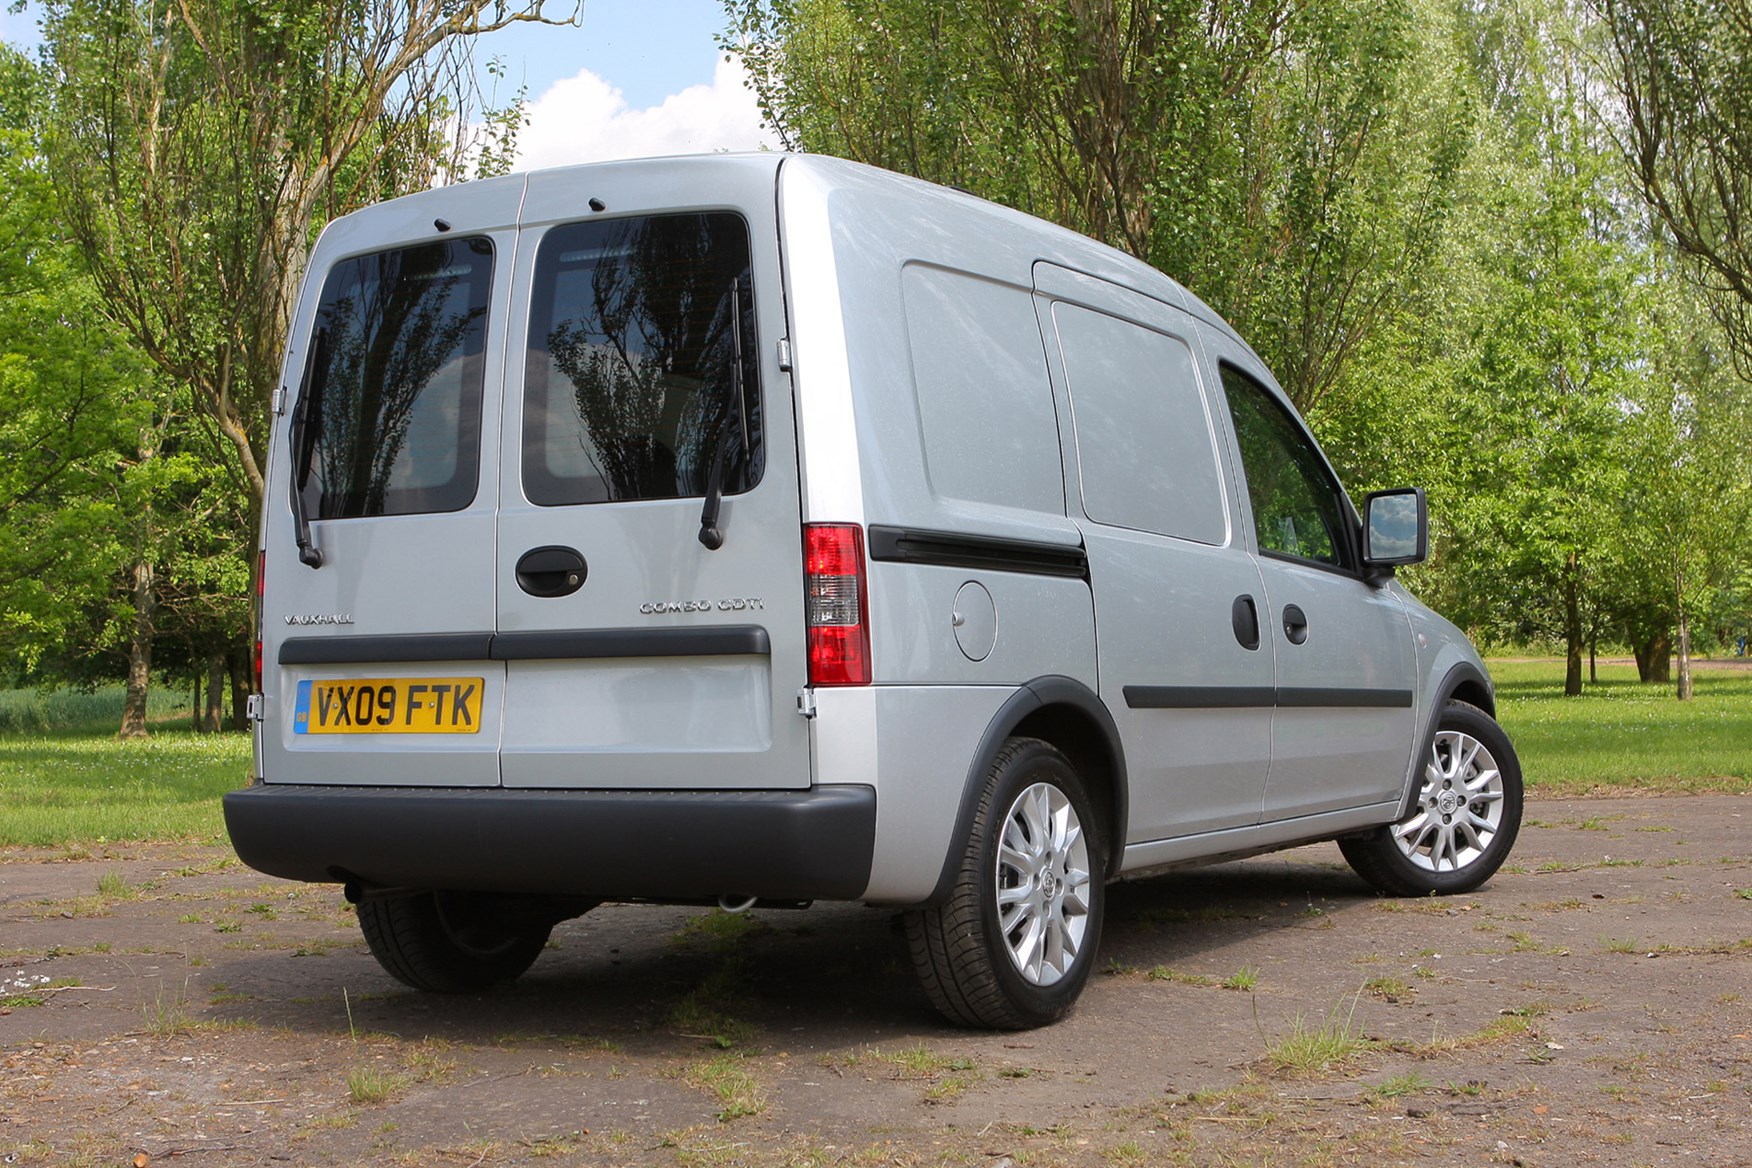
x=1396, y=529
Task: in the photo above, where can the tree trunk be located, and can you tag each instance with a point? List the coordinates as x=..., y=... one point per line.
x=213, y=716
x=237, y=663
x=1652, y=653
x=1594, y=659
x=1684, y=690
x=1572, y=629
x=145, y=595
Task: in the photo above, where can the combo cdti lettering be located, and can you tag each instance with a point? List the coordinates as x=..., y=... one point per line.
x=773, y=528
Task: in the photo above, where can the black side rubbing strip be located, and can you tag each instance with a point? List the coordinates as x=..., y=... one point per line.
x=1374, y=699
x=1199, y=697
x=724, y=641
x=1235, y=697
x=945, y=549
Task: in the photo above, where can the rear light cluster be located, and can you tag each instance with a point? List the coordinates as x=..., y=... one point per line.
x=837, y=607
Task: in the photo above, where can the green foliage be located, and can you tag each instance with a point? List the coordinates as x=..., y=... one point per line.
x=1292, y=163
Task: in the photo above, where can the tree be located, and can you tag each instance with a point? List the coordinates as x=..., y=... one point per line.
x=1682, y=71
x=1291, y=162
x=197, y=143
x=1689, y=498
x=73, y=399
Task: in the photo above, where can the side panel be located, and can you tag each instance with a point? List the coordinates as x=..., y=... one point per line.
x=914, y=745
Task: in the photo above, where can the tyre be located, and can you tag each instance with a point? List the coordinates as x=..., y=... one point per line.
x=1012, y=945
x=452, y=942
x=1464, y=820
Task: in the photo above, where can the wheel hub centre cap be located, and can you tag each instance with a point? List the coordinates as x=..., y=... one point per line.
x=1049, y=882
x=1447, y=802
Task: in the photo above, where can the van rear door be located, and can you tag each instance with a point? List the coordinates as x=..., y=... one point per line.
x=644, y=405
x=378, y=583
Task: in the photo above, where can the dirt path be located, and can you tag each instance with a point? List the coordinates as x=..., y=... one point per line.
x=1591, y=1005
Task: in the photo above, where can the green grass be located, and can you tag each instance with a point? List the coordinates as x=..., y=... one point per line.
x=1621, y=733
x=68, y=788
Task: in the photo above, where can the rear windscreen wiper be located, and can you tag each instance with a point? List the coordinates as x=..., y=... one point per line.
x=308, y=552
x=710, y=534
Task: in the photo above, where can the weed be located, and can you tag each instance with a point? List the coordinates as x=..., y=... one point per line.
x=1246, y=979
x=168, y=1015
x=1621, y=944
x=369, y=1084
x=1387, y=988
x=1311, y=1048
x=726, y=1078
x=1163, y=973
x=113, y=886
x=1409, y=1083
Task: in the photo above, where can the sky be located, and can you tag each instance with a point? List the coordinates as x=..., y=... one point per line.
x=639, y=78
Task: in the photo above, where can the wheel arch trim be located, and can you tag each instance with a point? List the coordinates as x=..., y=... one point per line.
x=1030, y=710
x=1464, y=681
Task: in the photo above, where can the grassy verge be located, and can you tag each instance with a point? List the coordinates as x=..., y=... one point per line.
x=1623, y=735
x=65, y=780
x=66, y=788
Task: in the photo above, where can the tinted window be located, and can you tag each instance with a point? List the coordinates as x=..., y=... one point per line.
x=393, y=385
x=633, y=387
x=1147, y=456
x=1298, y=510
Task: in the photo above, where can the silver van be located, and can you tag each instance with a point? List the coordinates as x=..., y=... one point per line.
x=769, y=529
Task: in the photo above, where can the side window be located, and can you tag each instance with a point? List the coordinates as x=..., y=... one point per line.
x=1298, y=510
x=392, y=390
x=641, y=371
x=1144, y=438
x=984, y=398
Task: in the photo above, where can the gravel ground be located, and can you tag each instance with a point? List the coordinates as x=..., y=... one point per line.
x=1591, y=1005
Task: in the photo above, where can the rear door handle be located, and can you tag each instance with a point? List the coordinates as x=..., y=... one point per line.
x=551, y=571
x=1244, y=619
x=1295, y=624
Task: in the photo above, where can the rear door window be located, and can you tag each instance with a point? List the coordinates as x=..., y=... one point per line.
x=641, y=370
x=392, y=391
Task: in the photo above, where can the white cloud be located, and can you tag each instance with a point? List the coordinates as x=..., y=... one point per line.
x=586, y=119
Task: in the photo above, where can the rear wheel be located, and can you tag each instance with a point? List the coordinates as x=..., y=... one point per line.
x=1014, y=942
x=452, y=942
x=1464, y=820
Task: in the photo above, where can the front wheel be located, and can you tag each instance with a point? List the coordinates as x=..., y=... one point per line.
x=1014, y=942
x=1464, y=820
x=452, y=942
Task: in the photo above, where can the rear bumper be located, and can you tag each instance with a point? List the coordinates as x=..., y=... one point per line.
x=661, y=845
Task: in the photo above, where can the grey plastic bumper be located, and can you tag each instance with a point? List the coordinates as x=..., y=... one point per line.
x=660, y=845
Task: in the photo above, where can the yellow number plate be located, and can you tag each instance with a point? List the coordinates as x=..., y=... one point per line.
x=400, y=705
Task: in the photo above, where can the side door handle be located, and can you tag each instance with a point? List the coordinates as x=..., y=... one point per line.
x=1295, y=624
x=551, y=571
x=1244, y=619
